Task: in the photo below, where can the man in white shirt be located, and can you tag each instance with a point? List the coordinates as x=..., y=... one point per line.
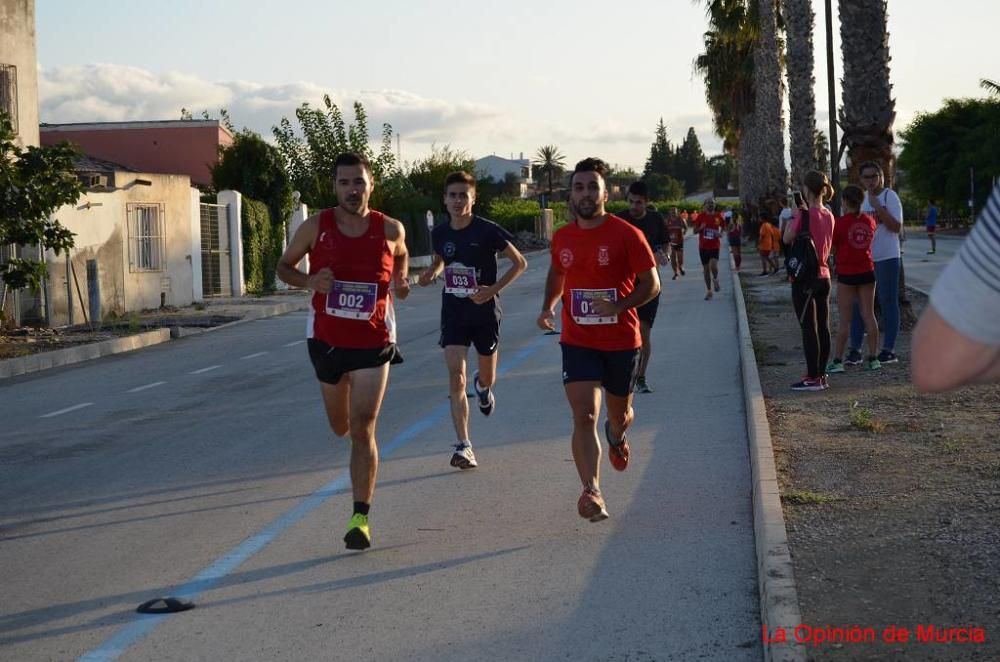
x=885, y=207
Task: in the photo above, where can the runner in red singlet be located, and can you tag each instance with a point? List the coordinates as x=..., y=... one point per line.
x=596, y=260
x=354, y=254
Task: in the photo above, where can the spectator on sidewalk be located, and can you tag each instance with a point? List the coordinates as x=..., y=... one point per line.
x=852, y=246
x=957, y=340
x=812, y=302
x=885, y=207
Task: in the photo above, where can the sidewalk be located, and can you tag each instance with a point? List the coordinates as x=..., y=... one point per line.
x=138, y=330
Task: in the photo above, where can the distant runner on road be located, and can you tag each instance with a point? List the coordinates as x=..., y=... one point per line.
x=602, y=269
x=676, y=227
x=354, y=254
x=466, y=250
x=709, y=226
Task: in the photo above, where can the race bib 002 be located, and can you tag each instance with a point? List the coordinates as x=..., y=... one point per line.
x=582, y=306
x=351, y=300
x=709, y=234
x=460, y=280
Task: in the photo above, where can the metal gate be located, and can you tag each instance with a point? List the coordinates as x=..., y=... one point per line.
x=215, y=280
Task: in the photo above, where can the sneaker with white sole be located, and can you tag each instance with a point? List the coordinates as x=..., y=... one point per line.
x=853, y=357
x=808, y=384
x=463, y=457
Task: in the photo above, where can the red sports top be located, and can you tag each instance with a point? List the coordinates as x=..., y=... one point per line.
x=712, y=227
x=607, y=257
x=358, y=312
x=852, y=238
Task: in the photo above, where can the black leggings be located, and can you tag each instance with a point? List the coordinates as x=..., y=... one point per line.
x=815, y=323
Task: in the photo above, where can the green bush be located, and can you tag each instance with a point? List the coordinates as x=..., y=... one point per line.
x=261, y=247
x=514, y=214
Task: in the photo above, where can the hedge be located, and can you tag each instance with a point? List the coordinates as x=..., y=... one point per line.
x=260, y=248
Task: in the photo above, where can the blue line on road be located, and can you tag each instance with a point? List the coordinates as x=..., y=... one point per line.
x=141, y=625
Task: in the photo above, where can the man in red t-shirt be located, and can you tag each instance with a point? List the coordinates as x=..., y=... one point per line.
x=602, y=269
x=355, y=254
x=709, y=226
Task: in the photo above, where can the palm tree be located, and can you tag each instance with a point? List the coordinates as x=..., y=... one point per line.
x=990, y=86
x=868, y=111
x=768, y=115
x=799, y=20
x=549, y=161
x=727, y=68
x=742, y=70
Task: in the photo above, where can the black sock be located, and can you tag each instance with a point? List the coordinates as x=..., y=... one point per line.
x=361, y=508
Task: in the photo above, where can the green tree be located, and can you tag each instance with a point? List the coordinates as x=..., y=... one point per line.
x=256, y=169
x=690, y=164
x=34, y=183
x=427, y=175
x=727, y=67
x=721, y=171
x=663, y=187
x=942, y=148
x=325, y=135
x=661, y=153
x=550, y=162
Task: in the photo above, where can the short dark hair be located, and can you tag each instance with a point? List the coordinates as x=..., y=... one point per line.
x=852, y=195
x=460, y=177
x=351, y=159
x=590, y=164
x=639, y=188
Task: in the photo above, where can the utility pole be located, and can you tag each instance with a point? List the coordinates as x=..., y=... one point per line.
x=832, y=97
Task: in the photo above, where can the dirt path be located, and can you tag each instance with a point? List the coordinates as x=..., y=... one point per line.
x=892, y=499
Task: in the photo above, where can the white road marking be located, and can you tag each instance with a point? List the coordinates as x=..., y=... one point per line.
x=143, y=388
x=198, y=372
x=66, y=410
x=294, y=343
x=252, y=356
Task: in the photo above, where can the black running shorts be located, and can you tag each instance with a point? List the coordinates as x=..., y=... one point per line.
x=616, y=371
x=330, y=363
x=481, y=330
x=866, y=278
x=647, y=311
x=707, y=255
x=677, y=247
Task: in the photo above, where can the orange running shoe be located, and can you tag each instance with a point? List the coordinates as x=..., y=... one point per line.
x=591, y=505
x=618, y=453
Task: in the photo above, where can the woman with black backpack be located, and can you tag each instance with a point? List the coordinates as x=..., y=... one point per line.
x=810, y=237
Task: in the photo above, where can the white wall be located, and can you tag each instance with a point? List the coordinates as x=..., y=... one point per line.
x=17, y=47
x=99, y=221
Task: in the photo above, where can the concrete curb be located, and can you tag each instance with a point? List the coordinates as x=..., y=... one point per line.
x=779, y=602
x=60, y=357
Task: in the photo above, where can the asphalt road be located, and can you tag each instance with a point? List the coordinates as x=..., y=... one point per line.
x=204, y=467
x=923, y=269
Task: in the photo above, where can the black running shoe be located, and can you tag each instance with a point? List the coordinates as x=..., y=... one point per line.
x=885, y=356
x=485, y=395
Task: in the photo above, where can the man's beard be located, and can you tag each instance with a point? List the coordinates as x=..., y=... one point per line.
x=354, y=205
x=585, y=209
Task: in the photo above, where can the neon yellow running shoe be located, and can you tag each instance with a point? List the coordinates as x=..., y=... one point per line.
x=358, y=534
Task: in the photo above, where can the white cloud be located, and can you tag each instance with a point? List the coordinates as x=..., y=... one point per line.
x=113, y=92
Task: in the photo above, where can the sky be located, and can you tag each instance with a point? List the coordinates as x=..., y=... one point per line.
x=593, y=78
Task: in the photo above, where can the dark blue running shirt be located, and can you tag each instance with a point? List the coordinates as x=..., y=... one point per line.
x=475, y=245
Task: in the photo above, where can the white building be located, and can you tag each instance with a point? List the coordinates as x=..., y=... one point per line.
x=498, y=168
